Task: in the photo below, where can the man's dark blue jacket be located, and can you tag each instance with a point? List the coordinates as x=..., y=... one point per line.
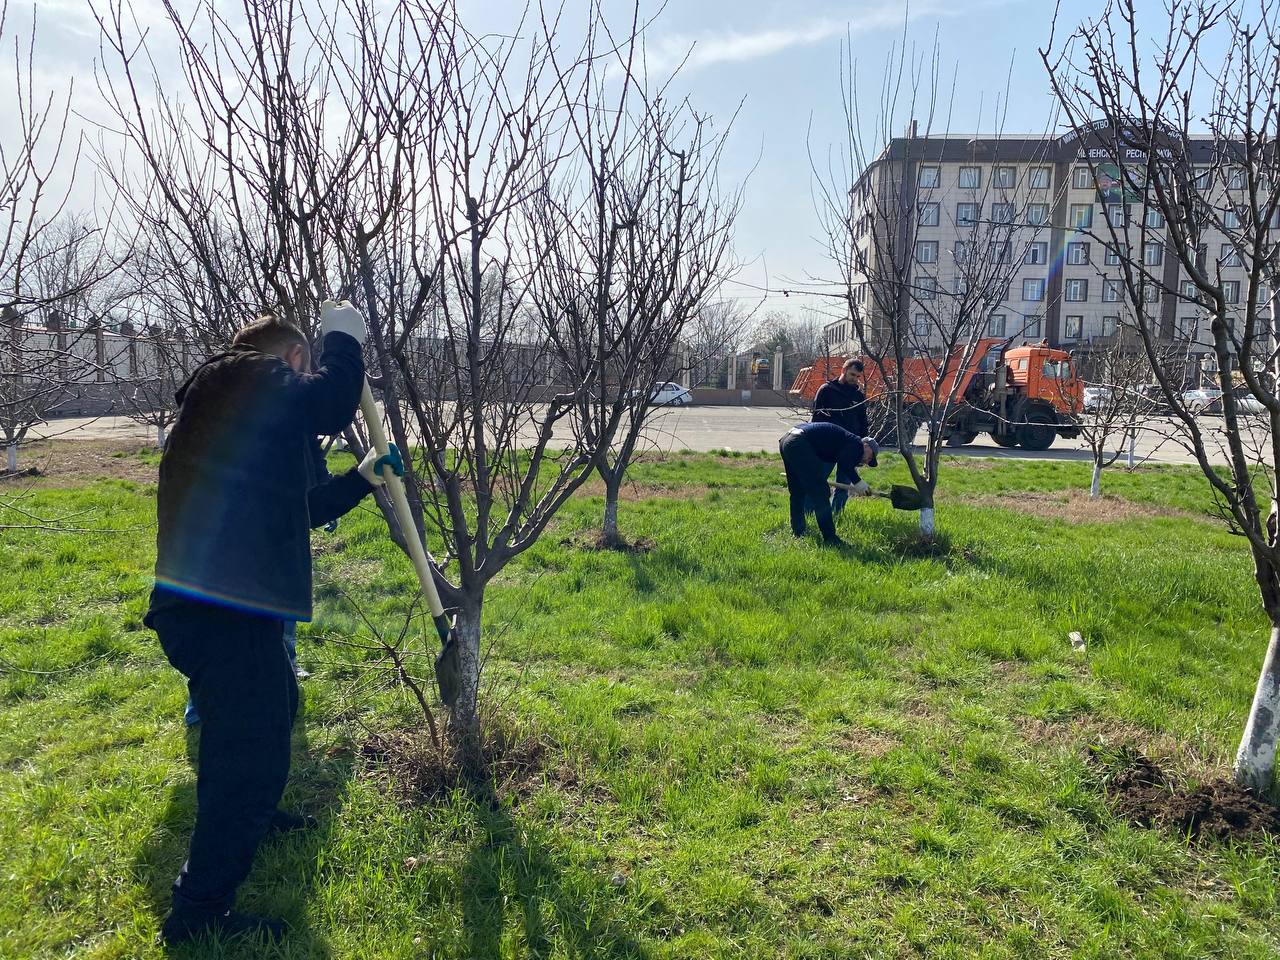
x=841, y=403
x=240, y=485
x=833, y=444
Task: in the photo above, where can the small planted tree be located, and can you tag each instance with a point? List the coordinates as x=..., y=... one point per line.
x=922, y=314
x=1187, y=165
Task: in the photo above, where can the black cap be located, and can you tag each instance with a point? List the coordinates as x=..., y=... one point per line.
x=875, y=449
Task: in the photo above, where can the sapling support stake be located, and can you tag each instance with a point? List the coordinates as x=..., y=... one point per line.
x=447, y=666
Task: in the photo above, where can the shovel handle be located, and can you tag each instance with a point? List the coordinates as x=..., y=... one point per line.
x=400, y=503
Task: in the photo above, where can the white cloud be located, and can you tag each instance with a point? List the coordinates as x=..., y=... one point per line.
x=735, y=47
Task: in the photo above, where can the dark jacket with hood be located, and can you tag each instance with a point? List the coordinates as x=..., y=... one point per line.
x=842, y=404
x=240, y=485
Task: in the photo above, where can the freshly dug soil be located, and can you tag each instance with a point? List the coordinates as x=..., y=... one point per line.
x=1219, y=810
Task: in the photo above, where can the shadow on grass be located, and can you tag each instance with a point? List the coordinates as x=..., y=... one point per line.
x=559, y=915
x=279, y=887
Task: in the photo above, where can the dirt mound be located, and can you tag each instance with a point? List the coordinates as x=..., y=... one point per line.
x=1144, y=794
x=597, y=541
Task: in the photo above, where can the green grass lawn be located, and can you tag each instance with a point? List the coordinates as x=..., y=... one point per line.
x=753, y=746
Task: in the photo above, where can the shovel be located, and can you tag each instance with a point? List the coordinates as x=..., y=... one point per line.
x=902, y=498
x=448, y=669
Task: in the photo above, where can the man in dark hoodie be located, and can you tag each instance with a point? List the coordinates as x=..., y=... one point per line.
x=237, y=496
x=809, y=451
x=842, y=402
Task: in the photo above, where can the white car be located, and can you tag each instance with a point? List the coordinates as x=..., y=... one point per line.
x=668, y=395
x=1094, y=398
x=1203, y=400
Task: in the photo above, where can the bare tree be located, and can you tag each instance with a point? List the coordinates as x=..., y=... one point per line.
x=922, y=315
x=636, y=239
x=1187, y=165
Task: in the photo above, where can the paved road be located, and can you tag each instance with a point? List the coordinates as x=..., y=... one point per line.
x=733, y=428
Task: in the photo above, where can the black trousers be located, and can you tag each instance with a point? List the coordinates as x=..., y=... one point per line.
x=239, y=676
x=807, y=483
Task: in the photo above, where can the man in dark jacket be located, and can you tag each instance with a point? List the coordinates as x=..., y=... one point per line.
x=237, y=496
x=842, y=402
x=809, y=451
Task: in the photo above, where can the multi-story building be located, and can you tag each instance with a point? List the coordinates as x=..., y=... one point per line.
x=1065, y=286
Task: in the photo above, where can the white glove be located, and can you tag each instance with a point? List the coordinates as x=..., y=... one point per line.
x=342, y=318
x=860, y=489
x=371, y=466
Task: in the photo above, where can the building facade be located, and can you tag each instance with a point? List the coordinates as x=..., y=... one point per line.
x=1060, y=199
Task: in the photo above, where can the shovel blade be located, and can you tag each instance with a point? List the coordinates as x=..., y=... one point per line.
x=905, y=498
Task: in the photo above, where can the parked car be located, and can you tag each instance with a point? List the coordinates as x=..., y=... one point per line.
x=1203, y=400
x=668, y=395
x=1095, y=398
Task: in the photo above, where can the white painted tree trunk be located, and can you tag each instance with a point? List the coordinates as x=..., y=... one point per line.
x=1256, y=759
x=464, y=716
x=12, y=453
x=160, y=436
x=611, y=518
x=1095, y=485
x=926, y=521
x=1133, y=449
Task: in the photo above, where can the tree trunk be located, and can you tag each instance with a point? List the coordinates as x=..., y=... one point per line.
x=159, y=436
x=464, y=716
x=1095, y=485
x=610, y=533
x=1133, y=448
x=13, y=457
x=926, y=522
x=1256, y=759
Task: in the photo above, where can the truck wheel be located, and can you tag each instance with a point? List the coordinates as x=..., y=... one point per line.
x=1037, y=433
x=1005, y=439
x=958, y=438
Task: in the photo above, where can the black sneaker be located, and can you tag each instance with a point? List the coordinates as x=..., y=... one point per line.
x=282, y=821
x=184, y=926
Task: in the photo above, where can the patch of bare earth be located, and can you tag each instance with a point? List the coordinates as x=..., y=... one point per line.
x=1147, y=795
x=1076, y=506
x=71, y=463
x=647, y=491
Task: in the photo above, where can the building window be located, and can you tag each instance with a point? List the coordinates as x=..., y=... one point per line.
x=1190, y=291
x=1037, y=214
x=970, y=178
x=1039, y=178
x=1235, y=178
x=927, y=288
x=928, y=214
x=1002, y=212
x=927, y=251
x=1203, y=178
x=1078, y=254
x=1187, y=328
x=1081, y=178
x=1150, y=293
x=1077, y=291
x=1110, y=325
x=1033, y=289
x=1153, y=254
x=1116, y=215
x=1073, y=327
x=1230, y=256
x=1112, y=291
x=1037, y=253
x=995, y=326
x=1114, y=254
x=960, y=286
x=921, y=325
x=1231, y=291
x=962, y=252
x=967, y=214
x=1155, y=220
x=1004, y=177
x=1000, y=252
x=1032, y=326
x=1081, y=216
x=1230, y=219
x=927, y=178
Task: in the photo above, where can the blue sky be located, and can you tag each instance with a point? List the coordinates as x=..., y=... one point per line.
x=776, y=63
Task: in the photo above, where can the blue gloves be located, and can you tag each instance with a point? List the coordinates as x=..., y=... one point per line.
x=371, y=466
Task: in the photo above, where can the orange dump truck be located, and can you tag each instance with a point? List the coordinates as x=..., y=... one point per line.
x=1022, y=396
